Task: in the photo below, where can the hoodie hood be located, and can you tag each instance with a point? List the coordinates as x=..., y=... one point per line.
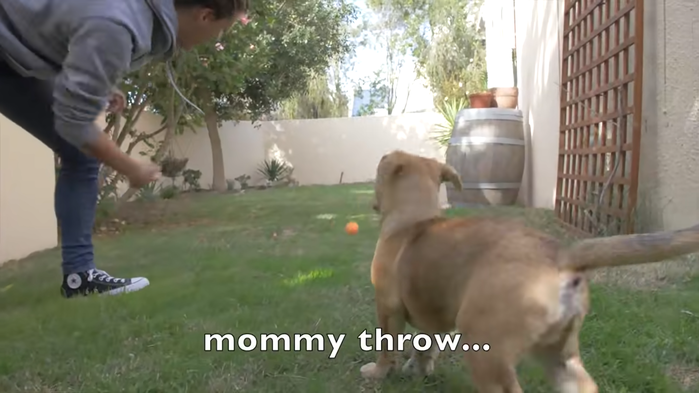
x=165, y=41
x=165, y=11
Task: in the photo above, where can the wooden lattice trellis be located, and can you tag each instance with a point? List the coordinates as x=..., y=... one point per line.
x=601, y=98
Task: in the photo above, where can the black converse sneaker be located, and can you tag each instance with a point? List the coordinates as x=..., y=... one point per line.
x=99, y=281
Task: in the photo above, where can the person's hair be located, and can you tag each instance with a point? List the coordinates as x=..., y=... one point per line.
x=221, y=8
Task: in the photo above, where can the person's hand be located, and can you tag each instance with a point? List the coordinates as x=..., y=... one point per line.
x=117, y=103
x=138, y=173
x=143, y=173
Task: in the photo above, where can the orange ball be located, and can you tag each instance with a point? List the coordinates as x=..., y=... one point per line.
x=352, y=228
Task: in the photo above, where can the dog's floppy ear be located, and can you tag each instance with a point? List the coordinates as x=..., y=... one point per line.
x=397, y=169
x=391, y=166
x=448, y=173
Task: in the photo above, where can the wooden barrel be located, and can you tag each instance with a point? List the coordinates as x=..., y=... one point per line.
x=487, y=150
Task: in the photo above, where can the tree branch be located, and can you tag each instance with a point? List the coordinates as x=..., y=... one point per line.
x=126, y=130
x=117, y=127
x=110, y=125
x=139, y=111
x=144, y=137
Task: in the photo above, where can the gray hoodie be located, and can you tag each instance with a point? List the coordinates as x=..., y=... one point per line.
x=87, y=47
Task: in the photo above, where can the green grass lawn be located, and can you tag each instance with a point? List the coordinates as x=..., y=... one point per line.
x=216, y=266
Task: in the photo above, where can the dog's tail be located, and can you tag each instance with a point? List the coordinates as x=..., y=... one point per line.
x=631, y=249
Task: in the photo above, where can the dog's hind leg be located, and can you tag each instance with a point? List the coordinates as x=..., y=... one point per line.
x=493, y=371
x=421, y=363
x=508, y=335
x=392, y=323
x=563, y=363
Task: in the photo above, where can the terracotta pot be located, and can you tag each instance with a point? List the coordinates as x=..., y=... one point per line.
x=505, y=97
x=481, y=100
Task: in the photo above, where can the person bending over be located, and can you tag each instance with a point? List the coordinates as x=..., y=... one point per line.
x=60, y=64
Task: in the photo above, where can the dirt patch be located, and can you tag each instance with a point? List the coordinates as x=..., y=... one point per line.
x=114, y=229
x=686, y=376
x=161, y=213
x=153, y=212
x=651, y=276
x=640, y=277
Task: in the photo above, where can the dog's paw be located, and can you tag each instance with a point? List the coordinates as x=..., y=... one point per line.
x=417, y=368
x=373, y=371
x=369, y=370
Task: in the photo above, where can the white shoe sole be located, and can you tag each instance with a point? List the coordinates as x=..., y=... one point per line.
x=137, y=283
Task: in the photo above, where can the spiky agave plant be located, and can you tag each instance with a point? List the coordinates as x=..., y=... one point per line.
x=448, y=109
x=273, y=169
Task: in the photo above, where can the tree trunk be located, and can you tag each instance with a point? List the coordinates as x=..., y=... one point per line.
x=407, y=97
x=167, y=140
x=211, y=120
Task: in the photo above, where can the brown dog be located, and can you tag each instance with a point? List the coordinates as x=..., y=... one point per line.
x=494, y=281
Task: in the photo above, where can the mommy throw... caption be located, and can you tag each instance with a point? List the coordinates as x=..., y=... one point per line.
x=321, y=342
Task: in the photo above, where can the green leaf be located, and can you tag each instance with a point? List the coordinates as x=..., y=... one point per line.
x=449, y=111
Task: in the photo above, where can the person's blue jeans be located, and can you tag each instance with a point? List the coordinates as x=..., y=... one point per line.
x=27, y=102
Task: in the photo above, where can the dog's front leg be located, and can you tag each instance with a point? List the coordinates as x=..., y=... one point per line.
x=392, y=323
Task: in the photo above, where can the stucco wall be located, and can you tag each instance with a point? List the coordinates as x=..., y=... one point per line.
x=669, y=181
x=538, y=77
x=27, y=219
x=320, y=150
